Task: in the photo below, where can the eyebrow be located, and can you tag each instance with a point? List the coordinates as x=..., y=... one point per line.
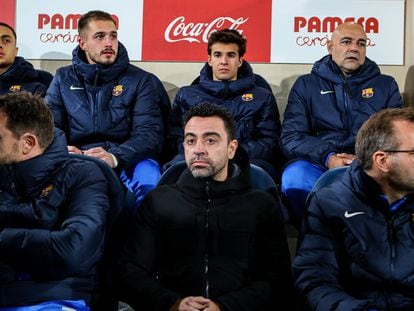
x=358, y=40
x=6, y=36
x=204, y=134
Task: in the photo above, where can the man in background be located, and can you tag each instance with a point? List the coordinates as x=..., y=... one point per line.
x=17, y=74
x=325, y=110
x=108, y=108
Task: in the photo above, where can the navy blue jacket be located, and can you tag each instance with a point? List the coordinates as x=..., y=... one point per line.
x=354, y=252
x=21, y=76
x=325, y=110
x=52, y=225
x=115, y=107
x=254, y=109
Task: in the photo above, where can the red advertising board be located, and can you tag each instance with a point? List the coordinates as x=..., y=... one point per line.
x=179, y=30
x=7, y=12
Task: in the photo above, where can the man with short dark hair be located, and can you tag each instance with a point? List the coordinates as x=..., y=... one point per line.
x=209, y=242
x=325, y=110
x=17, y=74
x=227, y=79
x=357, y=239
x=108, y=108
x=52, y=213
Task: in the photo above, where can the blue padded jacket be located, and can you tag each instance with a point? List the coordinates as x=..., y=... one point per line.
x=325, y=110
x=254, y=109
x=115, y=107
x=354, y=252
x=21, y=76
x=52, y=224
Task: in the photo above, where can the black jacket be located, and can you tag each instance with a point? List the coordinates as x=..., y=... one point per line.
x=221, y=240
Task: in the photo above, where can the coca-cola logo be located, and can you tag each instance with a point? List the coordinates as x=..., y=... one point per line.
x=179, y=30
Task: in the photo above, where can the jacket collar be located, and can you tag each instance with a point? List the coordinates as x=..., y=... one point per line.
x=30, y=175
x=239, y=180
x=328, y=69
x=225, y=89
x=20, y=71
x=97, y=72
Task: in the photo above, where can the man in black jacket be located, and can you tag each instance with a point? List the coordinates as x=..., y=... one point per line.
x=357, y=247
x=208, y=242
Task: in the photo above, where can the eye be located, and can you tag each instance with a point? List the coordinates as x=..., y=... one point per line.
x=346, y=42
x=210, y=141
x=99, y=37
x=189, y=141
x=362, y=44
x=114, y=36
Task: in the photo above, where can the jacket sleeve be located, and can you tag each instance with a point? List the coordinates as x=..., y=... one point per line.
x=137, y=265
x=264, y=141
x=54, y=100
x=271, y=275
x=297, y=139
x=75, y=244
x=147, y=129
x=394, y=96
x=318, y=268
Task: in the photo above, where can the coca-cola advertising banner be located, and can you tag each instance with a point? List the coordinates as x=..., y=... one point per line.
x=179, y=30
x=278, y=31
x=301, y=28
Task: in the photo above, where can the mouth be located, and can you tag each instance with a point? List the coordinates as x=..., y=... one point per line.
x=108, y=52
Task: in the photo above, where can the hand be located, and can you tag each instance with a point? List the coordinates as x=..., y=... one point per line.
x=212, y=306
x=191, y=304
x=73, y=149
x=101, y=153
x=340, y=159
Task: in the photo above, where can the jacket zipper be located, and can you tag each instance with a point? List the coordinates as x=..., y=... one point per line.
x=391, y=240
x=206, y=263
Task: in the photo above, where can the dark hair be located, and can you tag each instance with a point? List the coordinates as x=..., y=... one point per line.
x=11, y=28
x=377, y=133
x=227, y=36
x=205, y=110
x=95, y=15
x=28, y=113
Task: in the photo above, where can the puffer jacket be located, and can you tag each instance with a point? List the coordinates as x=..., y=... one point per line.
x=254, y=110
x=326, y=110
x=52, y=224
x=355, y=253
x=115, y=107
x=221, y=240
x=21, y=76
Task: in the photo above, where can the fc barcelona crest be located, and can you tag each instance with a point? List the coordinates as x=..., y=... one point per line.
x=117, y=90
x=15, y=88
x=247, y=97
x=368, y=93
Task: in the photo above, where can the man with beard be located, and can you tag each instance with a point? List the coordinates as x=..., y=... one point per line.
x=52, y=213
x=208, y=242
x=357, y=245
x=325, y=110
x=17, y=74
x=108, y=108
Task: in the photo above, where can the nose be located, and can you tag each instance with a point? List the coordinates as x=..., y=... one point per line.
x=199, y=147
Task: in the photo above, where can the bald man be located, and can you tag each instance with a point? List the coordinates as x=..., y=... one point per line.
x=325, y=110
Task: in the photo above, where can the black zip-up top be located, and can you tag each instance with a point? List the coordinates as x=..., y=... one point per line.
x=201, y=237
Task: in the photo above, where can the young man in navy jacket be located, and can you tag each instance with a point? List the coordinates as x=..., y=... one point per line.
x=108, y=108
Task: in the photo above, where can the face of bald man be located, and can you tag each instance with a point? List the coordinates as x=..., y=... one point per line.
x=348, y=47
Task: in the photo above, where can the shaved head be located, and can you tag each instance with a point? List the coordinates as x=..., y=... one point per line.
x=348, y=47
